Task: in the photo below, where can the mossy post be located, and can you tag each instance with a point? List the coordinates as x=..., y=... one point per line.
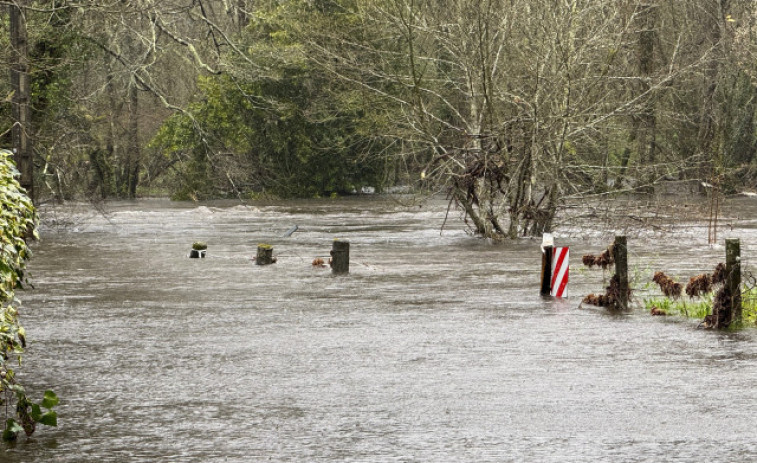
x=265, y=254
x=340, y=257
x=620, y=253
x=198, y=250
x=546, y=271
x=733, y=278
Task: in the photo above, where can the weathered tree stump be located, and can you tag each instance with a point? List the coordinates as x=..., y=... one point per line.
x=265, y=255
x=546, y=271
x=620, y=254
x=340, y=257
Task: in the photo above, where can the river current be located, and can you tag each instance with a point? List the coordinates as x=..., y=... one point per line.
x=437, y=346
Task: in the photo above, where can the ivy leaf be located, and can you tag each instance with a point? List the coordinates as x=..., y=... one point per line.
x=49, y=419
x=36, y=412
x=18, y=389
x=12, y=428
x=50, y=400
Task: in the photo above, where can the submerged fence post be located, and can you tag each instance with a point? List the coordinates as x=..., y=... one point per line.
x=340, y=257
x=620, y=253
x=265, y=255
x=546, y=270
x=199, y=248
x=733, y=278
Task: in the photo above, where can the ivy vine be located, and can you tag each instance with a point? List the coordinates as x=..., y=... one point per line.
x=18, y=220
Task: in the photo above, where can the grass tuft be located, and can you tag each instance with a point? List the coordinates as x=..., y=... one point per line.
x=690, y=308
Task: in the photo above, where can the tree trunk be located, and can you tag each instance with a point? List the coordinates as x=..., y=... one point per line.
x=113, y=149
x=708, y=116
x=131, y=169
x=21, y=114
x=647, y=121
x=519, y=196
x=461, y=197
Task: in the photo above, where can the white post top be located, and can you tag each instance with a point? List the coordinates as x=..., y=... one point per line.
x=547, y=240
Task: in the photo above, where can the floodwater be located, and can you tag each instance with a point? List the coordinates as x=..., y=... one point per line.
x=435, y=348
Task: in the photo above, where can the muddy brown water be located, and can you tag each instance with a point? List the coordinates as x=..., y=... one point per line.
x=436, y=348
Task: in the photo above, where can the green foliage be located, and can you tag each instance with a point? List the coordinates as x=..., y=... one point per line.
x=691, y=308
x=701, y=307
x=749, y=306
x=327, y=96
x=30, y=413
x=268, y=135
x=199, y=246
x=661, y=303
x=290, y=132
x=52, y=70
x=17, y=224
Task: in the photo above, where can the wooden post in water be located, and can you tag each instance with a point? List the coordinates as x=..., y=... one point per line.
x=340, y=257
x=197, y=253
x=546, y=271
x=620, y=253
x=265, y=255
x=733, y=278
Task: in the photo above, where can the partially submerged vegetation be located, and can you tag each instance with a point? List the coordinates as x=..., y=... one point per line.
x=17, y=225
x=618, y=293
x=723, y=307
x=689, y=308
x=708, y=298
x=700, y=307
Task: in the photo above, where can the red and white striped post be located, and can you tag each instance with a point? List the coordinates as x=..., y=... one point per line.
x=560, y=271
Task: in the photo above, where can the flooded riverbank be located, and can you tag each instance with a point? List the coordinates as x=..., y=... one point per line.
x=436, y=347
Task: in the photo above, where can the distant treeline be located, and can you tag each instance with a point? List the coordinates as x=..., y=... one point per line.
x=509, y=107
